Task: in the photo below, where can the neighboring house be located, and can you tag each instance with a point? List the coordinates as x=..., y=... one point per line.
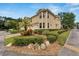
x=45, y=19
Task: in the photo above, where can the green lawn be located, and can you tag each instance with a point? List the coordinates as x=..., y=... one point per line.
x=25, y=39
x=51, y=35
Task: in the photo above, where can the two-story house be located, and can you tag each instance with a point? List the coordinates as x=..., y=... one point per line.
x=45, y=19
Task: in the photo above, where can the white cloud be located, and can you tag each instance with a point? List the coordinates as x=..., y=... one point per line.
x=55, y=9
x=74, y=9
x=5, y=12
x=74, y=4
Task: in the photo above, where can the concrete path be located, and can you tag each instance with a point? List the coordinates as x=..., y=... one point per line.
x=2, y=35
x=71, y=47
x=1, y=45
x=3, y=51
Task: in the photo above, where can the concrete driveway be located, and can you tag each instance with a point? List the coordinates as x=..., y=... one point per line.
x=71, y=47
x=3, y=49
x=2, y=35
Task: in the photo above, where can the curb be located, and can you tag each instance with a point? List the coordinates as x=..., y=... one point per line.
x=64, y=44
x=68, y=37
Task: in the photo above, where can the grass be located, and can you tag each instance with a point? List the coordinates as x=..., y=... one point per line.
x=63, y=37
x=18, y=40
x=8, y=40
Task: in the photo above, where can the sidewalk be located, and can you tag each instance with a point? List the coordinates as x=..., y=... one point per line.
x=71, y=48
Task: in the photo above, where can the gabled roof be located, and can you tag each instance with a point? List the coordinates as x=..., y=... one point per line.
x=44, y=10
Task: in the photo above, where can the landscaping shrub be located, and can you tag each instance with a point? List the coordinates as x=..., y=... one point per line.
x=61, y=31
x=38, y=31
x=53, y=33
x=25, y=40
x=13, y=31
x=24, y=33
x=28, y=32
x=63, y=37
x=51, y=38
x=53, y=29
x=45, y=32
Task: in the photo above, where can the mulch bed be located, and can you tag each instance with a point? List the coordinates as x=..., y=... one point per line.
x=51, y=50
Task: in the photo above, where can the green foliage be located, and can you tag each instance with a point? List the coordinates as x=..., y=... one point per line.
x=25, y=40
x=57, y=35
x=51, y=38
x=53, y=33
x=61, y=31
x=13, y=31
x=2, y=24
x=8, y=40
x=38, y=31
x=10, y=24
x=42, y=31
x=28, y=32
x=45, y=32
x=67, y=20
x=63, y=37
x=26, y=22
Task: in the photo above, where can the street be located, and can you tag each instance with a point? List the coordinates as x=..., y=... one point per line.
x=71, y=47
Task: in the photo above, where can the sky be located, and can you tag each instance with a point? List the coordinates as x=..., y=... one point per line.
x=16, y=10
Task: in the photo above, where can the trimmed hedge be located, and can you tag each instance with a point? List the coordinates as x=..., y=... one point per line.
x=25, y=40
x=61, y=31
x=39, y=31
x=51, y=38
x=46, y=32
x=63, y=37
x=53, y=33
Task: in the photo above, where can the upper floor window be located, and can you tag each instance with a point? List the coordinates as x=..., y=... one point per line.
x=47, y=15
x=40, y=16
x=44, y=15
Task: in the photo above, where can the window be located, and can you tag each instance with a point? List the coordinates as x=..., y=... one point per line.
x=48, y=25
x=47, y=15
x=43, y=25
x=40, y=16
x=40, y=25
x=43, y=15
x=56, y=25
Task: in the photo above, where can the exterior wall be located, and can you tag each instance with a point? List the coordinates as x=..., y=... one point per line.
x=54, y=23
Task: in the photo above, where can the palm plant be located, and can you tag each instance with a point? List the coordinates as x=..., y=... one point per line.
x=26, y=23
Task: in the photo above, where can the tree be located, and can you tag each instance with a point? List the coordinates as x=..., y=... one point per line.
x=67, y=20
x=26, y=22
x=10, y=24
